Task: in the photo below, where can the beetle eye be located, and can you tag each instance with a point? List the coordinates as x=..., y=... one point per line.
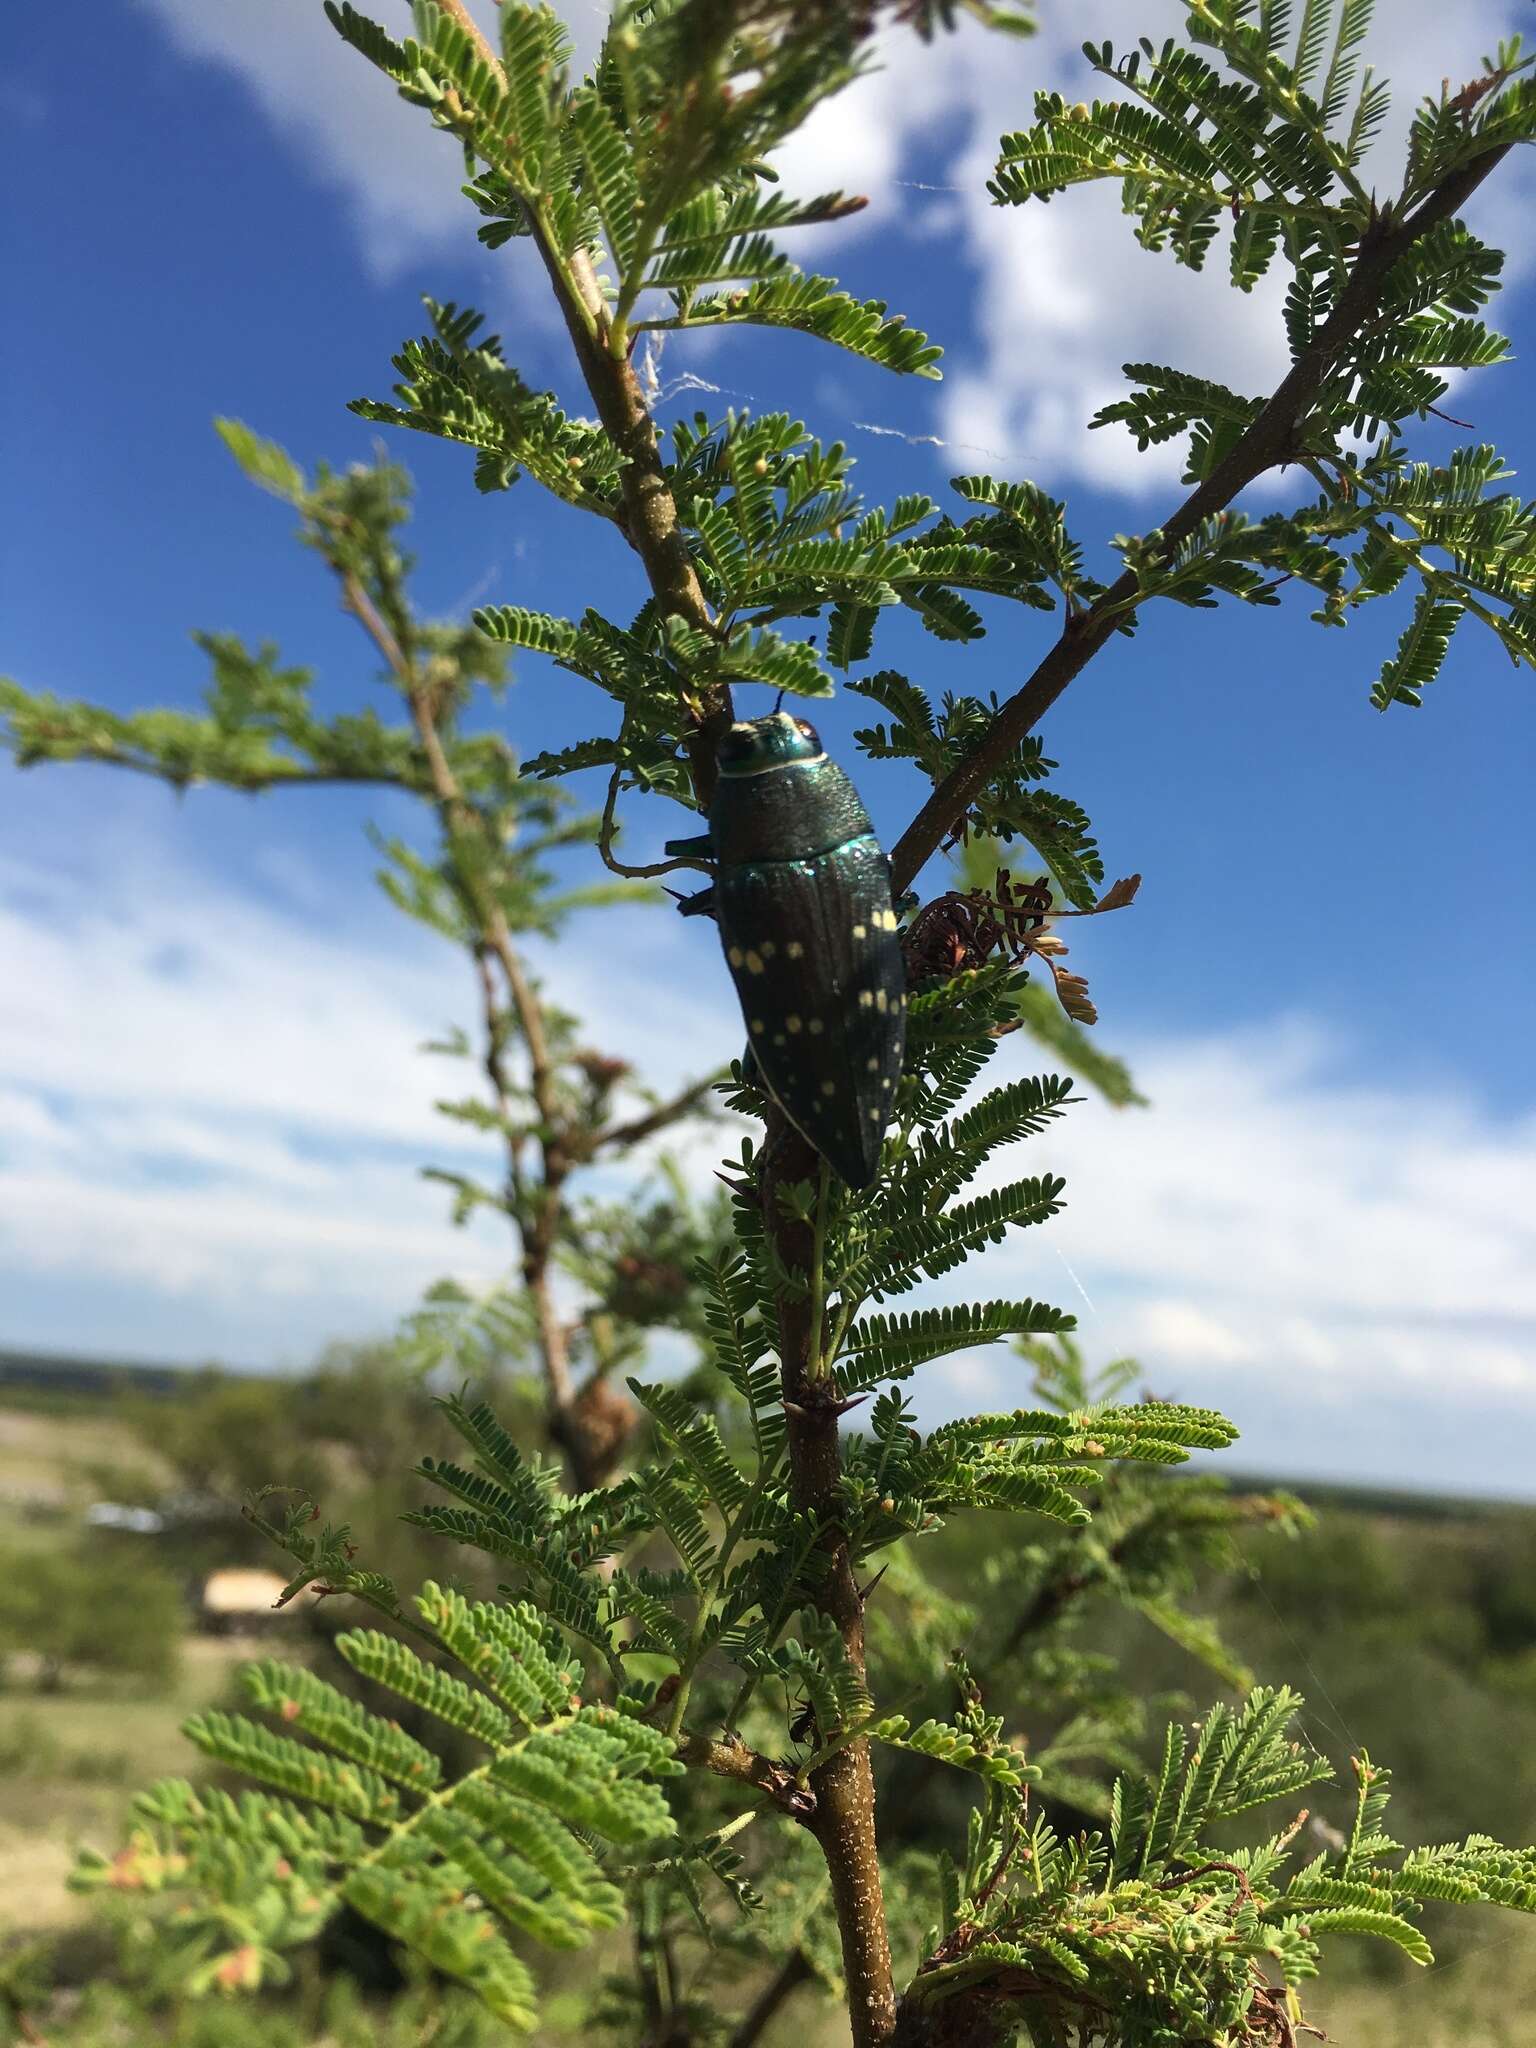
x=802, y=727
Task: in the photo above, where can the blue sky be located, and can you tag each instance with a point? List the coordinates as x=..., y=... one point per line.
x=211, y=1105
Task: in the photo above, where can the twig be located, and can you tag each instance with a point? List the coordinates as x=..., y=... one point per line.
x=1058, y=1593
x=640, y=1127
x=791, y=1974
x=619, y=867
x=1168, y=1884
x=252, y=783
x=733, y=1759
x=536, y=1222
x=27, y=2027
x=496, y=1073
x=844, y=1783
x=354, y=596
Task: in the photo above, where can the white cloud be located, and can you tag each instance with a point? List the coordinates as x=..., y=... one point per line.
x=1347, y=1269
x=1283, y=1190
x=1171, y=1328
x=210, y=1102
x=153, y=988
x=1064, y=297
x=399, y=176
x=212, y=1113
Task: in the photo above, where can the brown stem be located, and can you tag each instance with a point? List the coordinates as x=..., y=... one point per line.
x=651, y=518
x=1244, y=1888
x=540, y=1231
x=791, y=1974
x=496, y=1074
x=253, y=782
x=26, y=2028
x=844, y=1821
x=657, y=1119
x=536, y=1215
x=733, y=1759
x=1057, y=1594
x=845, y=1828
x=1269, y=443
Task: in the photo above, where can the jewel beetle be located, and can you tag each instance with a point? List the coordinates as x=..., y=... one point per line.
x=802, y=897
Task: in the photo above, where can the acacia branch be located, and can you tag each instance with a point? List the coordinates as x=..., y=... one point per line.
x=1270, y=442
x=651, y=520
x=794, y=1971
x=733, y=1759
x=1057, y=1594
x=251, y=783
x=496, y=1074
x=537, y=1214
x=844, y=1823
x=641, y=1127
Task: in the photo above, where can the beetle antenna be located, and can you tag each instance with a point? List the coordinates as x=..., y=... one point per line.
x=779, y=700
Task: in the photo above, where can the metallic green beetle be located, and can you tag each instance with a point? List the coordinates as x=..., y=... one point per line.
x=802, y=897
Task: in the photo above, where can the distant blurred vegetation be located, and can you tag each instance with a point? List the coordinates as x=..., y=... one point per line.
x=1411, y=1623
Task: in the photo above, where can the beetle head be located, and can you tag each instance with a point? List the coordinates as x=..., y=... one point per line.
x=758, y=744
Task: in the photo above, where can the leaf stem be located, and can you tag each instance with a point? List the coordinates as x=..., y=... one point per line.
x=817, y=1364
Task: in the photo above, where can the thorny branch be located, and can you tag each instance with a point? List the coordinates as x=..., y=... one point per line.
x=622, y=1136
x=1270, y=442
x=733, y=1759
x=538, y=1210
x=794, y=1971
x=844, y=1821
x=651, y=522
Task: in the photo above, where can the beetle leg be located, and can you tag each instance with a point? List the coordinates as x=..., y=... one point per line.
x=699, y=847
x=701, y=904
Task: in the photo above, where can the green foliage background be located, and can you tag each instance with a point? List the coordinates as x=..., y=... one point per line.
x=1409, y=1618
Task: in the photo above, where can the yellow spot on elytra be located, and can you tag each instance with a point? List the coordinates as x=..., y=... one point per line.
x=758, y=1024
x=778, y=1038
x=768, y=949
x=888, y=919
x=871, y=1066
x=874, y=1116
x=795, y=950
x=829, y=1087
x=866, y=1000
x=792, y=1024
x=735, y=956
x=859, y=932
x=754, y=963
x=815, y=1027
x=880, y=1002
